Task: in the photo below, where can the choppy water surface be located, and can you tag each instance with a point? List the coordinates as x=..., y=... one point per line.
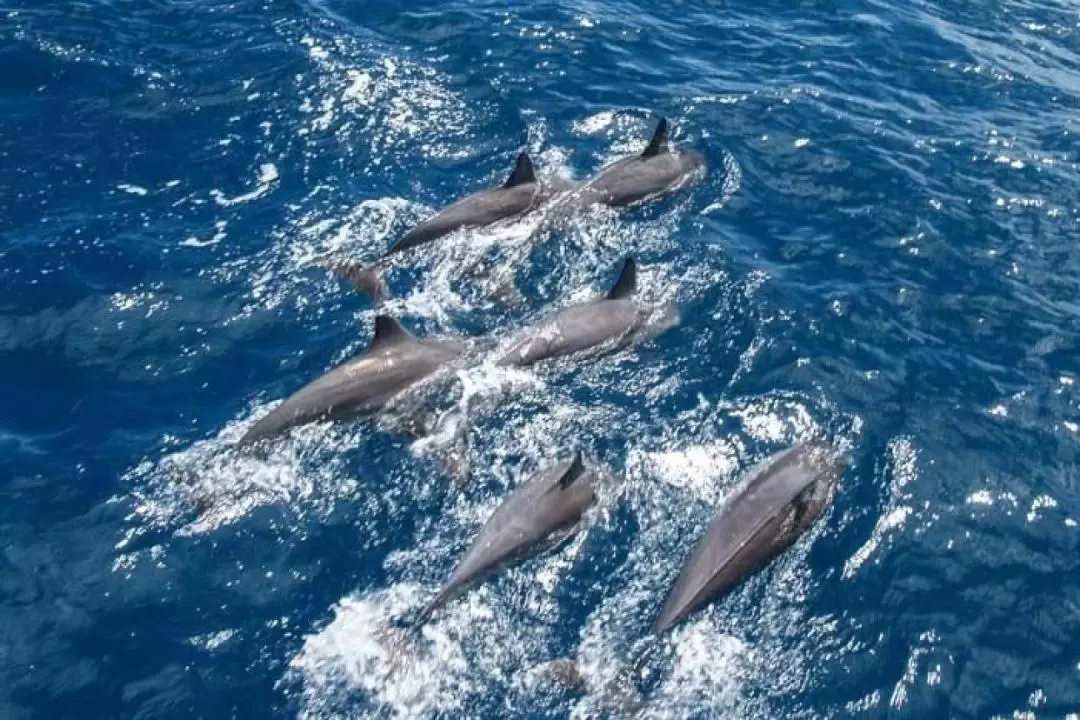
x=884, y=255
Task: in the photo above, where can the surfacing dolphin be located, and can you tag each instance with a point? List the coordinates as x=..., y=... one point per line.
x=615, y=321
x=546, y=508
x=366, y=384
x=660, y=169
x=780, y=499
x=521, y=192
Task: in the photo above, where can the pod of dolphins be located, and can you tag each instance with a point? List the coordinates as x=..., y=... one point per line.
x=776, y=503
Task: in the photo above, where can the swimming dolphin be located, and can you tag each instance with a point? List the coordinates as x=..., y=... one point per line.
x=781, y=498
x=614, y=321
x=521, y=192
x=551, y=502
x=660, y=169
x=779, y=501
x=395, y=360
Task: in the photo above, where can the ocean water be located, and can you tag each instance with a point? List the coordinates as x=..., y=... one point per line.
x=883, y=255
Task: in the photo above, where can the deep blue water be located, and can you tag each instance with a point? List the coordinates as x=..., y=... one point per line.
x=884, y=255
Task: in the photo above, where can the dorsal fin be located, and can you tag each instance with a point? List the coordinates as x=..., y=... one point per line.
x=658, y=144
x=576, y=469
x=389, y=331
x=627, y=282
x=523, y=172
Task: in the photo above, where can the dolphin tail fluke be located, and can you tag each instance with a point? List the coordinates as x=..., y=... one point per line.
x=619, y=694
x=401, y=640
x=622, y=691
x=444, y=596
x=565, y=672
x=400, y=646
x=365, y=278
x=254, y=436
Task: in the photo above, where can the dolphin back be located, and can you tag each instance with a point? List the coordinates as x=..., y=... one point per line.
x=780, y=499
x=521, y=192
x=612, y=322
x=477, y=210
x=395, y=360
x=552, y=500
x=576, y=329
x=635, y=179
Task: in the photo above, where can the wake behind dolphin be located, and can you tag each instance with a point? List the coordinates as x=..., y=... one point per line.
x=521, y=192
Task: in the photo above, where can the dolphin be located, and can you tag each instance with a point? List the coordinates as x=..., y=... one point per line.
x=545, y=508
x=521, y=192
x=395, y=360
x=779, y=501
x=660, y=169
x=614, y=321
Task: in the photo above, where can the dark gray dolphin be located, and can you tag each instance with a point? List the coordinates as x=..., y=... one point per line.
x=550, y=503
x=658, y=170
x=521, y=192
x=780, y=499
x=395, y=360
x=614, y=321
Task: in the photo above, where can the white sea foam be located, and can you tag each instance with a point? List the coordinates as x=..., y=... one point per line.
x=267, y=176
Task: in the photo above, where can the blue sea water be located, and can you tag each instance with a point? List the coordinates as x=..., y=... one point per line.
x=884, y=255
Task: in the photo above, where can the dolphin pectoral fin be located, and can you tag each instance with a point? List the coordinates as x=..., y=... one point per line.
x=365, y=278
x=659, y=143
x=565, y=672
